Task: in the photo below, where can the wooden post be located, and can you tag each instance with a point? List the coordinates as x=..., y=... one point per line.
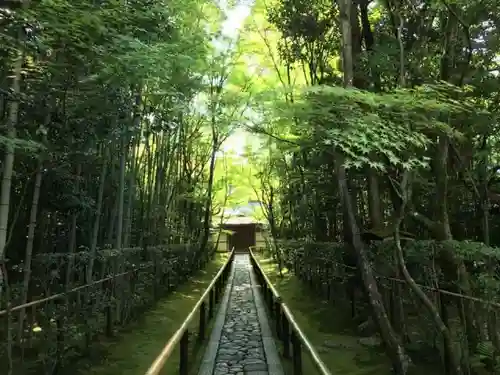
x=285, y=336
x=184, y=350
x=202, y=323
x=297, y=355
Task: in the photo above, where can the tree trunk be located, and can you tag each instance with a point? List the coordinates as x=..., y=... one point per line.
x=72, y=236
x=8, y=162
x=208, y=204
x=393, y=347
x=374, y=201
x=121, y=193
x=127, y=225
x=97, y=218
x=29, y=245
x=452, y=358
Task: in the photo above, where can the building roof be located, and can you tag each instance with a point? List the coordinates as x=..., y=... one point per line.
x=239, y=215
x=241, y=220
x=238, y=220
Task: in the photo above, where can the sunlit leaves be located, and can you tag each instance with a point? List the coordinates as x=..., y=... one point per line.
x=365, y=126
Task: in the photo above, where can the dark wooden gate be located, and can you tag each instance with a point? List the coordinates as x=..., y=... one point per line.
x=242, y=238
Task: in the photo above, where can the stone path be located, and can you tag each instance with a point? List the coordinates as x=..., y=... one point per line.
x=241, y=342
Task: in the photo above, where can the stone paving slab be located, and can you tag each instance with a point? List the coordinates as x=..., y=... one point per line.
x=241, y=342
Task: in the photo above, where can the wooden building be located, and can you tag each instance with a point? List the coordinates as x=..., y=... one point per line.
x=240, y=233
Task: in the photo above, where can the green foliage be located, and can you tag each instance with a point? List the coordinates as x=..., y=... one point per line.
x=375, y=130
x=61, y=330
x=425, y=100
x=325, y=264
x=110, y=165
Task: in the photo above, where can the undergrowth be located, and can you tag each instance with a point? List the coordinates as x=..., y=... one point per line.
x=131, y=352
x=328, y=330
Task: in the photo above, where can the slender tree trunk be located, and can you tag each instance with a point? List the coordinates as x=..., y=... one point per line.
x=110, y=238
x=8, y=162
x=394, y=349
x=119, y=221
x=97, y=218
x=374, y=200
x=130, y=195
x=148, y=187
x=208, y=204
x=121, y=193
x=160, y=150
x=73, y=233
x=455, y=366
x=393, y=346
x=29, y=245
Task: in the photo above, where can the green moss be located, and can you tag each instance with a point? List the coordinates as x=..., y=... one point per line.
x=133, y=351
x=328, y=331
x=320, y=322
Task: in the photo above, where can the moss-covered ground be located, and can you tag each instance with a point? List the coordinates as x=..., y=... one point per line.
x=329, y=333
x=132, y=351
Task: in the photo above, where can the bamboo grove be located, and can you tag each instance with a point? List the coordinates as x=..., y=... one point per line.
x=380, y=176
x=107, y=173
x=378, y=172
